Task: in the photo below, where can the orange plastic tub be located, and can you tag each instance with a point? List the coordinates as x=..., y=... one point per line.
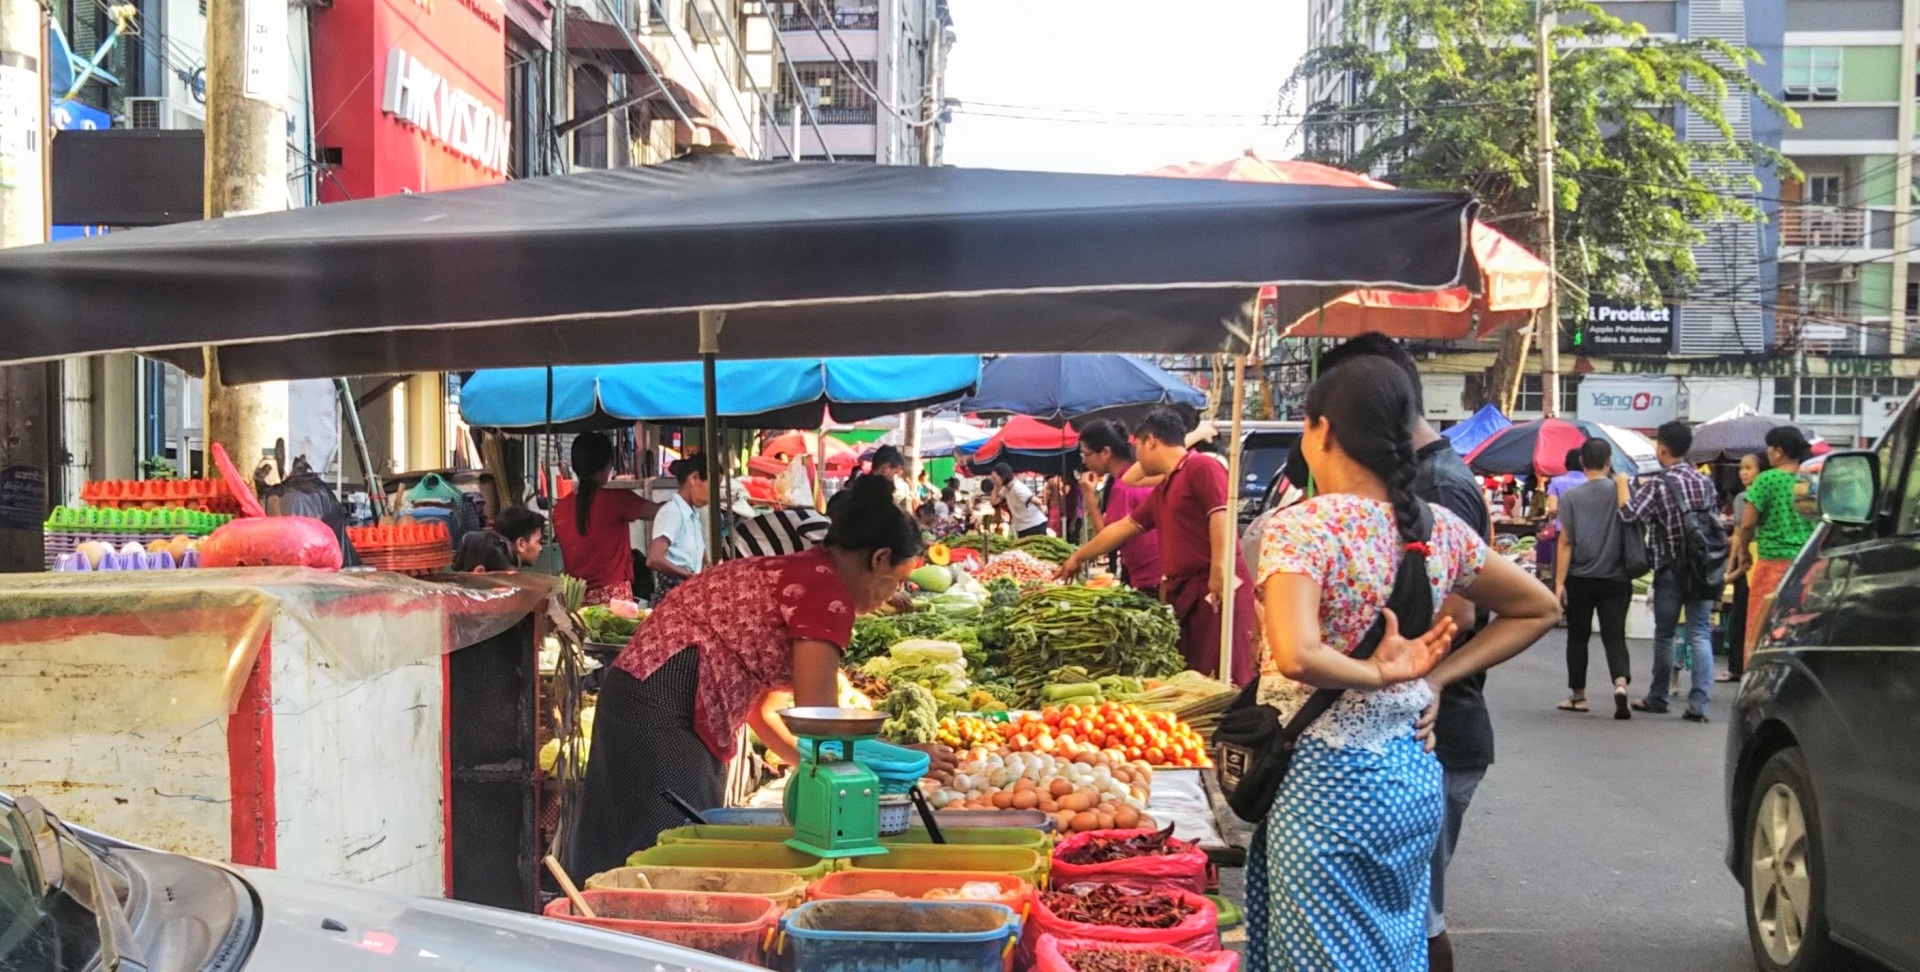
x=1014, y=893
x=735, y=926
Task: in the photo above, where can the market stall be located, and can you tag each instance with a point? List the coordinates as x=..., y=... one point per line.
x=781, y=260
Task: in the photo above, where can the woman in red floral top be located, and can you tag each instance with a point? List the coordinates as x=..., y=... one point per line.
x=707, y=659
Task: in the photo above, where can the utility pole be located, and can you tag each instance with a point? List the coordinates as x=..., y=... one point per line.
x=1543, y=114
x=246, y=173
x=25, y=390
x=1800, y=329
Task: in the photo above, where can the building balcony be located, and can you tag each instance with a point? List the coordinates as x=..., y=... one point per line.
x=827, y=14
x=825, y=115
x=1821, y=227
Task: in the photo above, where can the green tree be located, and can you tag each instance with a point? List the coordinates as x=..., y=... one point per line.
x=1442, y=98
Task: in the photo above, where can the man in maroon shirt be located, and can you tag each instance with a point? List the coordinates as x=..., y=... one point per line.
x=1189, y=509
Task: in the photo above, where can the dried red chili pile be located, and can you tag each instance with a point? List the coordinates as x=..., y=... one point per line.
x=1110, y=904
x=1105, y=850
x=1122, y=960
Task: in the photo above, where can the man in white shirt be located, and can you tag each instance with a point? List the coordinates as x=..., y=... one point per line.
x=679, y=546
x=1027, y=513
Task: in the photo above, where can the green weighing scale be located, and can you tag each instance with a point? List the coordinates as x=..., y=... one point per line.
x=833, y=801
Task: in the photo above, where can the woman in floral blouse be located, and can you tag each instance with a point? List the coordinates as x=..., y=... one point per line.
x=707, y=659
x=1337, y=875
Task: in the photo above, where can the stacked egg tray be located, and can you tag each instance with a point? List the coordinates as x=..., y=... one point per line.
x=206, y=495
x=404, y=548
x=70, y=526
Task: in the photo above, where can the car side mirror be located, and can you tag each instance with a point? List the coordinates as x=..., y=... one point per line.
x=1849, y=484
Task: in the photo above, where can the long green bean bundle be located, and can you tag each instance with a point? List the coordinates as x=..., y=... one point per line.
x=1113, y=631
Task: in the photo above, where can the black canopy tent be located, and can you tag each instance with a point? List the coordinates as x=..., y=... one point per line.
x=808, y=259
x=676, y=261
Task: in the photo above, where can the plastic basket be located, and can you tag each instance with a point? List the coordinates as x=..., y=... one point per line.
x=1014, y=893
x=898, y=936
x=785, y=887
x=737, y=855
x=734, y=926
x=1017, y=861
x=1033, y=840
x=724, y=834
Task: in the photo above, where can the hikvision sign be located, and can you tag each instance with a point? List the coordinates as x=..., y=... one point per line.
x=419, y=96
x=1634, y=403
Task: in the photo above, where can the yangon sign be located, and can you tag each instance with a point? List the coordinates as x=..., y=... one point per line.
x=419, y=96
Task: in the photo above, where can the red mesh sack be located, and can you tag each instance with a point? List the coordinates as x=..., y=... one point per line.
x=1183, y=870
x=272, y=541
x=1050, y=955
x=1199, y=932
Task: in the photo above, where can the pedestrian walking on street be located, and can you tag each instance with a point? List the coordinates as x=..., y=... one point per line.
x=1462, y=728
x=1590, y=577
x=1338, y=872
x=1751, y=465
x=1665, y=503
x=1777, y=530
x=1546, y=549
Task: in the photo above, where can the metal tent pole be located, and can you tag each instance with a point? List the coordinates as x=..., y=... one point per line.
x=1233, y=518
x=710, y=323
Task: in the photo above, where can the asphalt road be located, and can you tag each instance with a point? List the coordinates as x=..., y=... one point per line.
x=1593, y=843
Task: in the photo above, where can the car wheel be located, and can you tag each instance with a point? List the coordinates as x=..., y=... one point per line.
x=1786, y=869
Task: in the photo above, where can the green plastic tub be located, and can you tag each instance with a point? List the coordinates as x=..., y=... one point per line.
x=1033, y=840
x=1017, y=861
x=737, y=856
x=725, y=834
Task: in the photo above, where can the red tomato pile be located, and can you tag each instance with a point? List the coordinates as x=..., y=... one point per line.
x=1160, y=738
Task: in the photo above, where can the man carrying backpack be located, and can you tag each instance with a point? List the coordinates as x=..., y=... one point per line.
x=1687, y=547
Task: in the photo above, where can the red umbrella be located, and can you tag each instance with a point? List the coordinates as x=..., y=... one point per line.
x=792, y=444
x=1540, y=446
x=1024, y=434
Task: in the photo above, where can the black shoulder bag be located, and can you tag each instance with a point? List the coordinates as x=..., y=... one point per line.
x=1252, y=751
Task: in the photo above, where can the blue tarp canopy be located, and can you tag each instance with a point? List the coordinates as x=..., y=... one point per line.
x=1060, y=387
x=1480, y=427
x=781, y=393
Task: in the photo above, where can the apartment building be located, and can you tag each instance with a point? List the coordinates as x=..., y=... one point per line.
x=872, y=72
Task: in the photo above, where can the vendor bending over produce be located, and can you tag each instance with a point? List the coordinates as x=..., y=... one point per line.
x=706, y=660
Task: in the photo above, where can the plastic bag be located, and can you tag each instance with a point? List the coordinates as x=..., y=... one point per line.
x=1050, y=954
x=273, y=541
x=1198, y=934
x=1182, y=871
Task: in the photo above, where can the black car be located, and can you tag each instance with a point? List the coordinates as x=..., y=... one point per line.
x=1823, y=754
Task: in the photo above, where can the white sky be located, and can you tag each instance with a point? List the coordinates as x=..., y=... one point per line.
x=1172, y=61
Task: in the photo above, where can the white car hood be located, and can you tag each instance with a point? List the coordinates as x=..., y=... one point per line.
x=302, y=922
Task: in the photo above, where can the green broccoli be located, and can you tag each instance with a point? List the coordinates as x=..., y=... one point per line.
x=915, y=715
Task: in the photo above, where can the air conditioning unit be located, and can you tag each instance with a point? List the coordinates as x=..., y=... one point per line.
x=173, y=114
x=1849, y=274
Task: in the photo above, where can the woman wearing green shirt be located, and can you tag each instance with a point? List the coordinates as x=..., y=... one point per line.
x=1772, y=525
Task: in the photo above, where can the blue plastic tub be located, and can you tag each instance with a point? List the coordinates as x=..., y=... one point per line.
x=853, y=935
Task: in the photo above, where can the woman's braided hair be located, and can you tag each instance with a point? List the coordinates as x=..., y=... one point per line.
x=1368, y=405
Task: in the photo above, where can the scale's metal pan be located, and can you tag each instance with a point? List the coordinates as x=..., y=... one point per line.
x=826, y=723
